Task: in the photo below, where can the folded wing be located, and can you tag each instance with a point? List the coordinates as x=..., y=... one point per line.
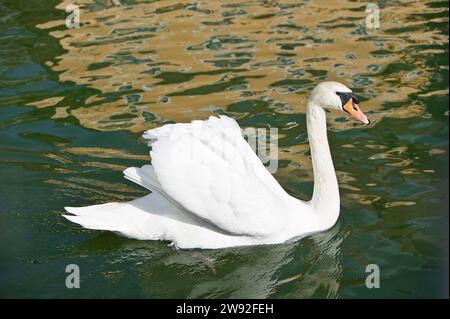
x=209, y=169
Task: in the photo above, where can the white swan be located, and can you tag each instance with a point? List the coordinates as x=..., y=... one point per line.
x=210, y=190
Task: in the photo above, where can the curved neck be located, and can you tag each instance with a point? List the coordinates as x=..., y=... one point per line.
x=325, y=200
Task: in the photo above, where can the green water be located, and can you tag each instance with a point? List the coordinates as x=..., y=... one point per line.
x=74, y=103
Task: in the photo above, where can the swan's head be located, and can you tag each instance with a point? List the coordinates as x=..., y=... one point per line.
x=334, y=95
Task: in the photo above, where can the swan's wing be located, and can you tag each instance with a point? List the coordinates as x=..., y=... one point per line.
x=208, y=168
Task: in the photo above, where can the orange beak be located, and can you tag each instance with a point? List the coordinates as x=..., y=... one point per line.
x=354, y=110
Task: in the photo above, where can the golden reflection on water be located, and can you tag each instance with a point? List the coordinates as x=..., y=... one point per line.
x=154, y=61
x=103, y=153
x=92, y=189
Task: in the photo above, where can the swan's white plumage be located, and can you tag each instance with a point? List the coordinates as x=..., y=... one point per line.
x=210, y=190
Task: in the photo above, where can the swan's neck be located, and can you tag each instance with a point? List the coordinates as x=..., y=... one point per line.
x=325, y=199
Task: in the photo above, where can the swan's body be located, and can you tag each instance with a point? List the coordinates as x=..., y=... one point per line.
x=210, y=190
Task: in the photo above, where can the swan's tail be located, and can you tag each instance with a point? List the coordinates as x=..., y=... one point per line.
x=140, y=218
x=143, y=218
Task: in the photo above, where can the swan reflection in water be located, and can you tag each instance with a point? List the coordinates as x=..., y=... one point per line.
x=313, y=265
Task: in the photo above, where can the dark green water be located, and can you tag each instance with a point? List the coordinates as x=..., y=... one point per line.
x=74, y=103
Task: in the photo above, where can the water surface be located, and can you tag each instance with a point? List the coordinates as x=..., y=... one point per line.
x=74, y=103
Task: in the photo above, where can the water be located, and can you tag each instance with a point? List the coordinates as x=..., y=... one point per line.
x=74, y=103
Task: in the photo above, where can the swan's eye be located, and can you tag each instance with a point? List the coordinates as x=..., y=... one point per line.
x=355, y=99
